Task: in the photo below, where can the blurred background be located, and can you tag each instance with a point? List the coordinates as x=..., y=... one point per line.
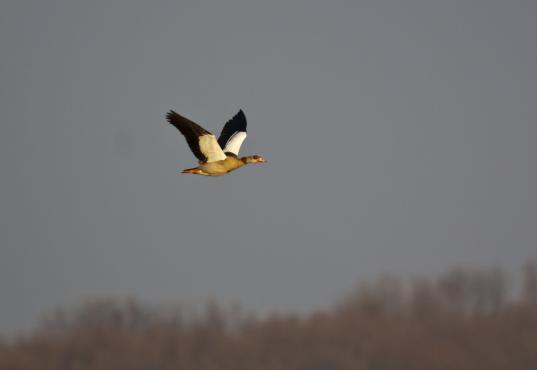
x=400, y=138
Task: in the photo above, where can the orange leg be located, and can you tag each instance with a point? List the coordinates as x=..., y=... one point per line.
x=194, y=171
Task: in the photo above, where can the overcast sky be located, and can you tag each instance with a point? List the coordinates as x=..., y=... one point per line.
x=400, y=135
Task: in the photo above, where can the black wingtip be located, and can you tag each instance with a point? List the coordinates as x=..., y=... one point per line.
x=241, y=114
x=169, y=115
x=174, y=118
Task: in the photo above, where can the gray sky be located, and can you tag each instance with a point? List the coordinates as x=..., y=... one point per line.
x=400, y=137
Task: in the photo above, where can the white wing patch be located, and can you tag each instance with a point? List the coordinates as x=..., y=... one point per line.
x=234, y=143
x=210, y=148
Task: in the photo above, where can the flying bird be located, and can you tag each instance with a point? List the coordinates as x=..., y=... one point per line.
x=216, y=157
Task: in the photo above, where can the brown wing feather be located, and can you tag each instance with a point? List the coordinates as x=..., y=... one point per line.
x=190, y=130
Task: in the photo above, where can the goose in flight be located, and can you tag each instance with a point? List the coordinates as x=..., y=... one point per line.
x=216, y=157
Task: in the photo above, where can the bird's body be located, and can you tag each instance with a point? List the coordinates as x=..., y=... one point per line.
x=216, y=158
x=217, y=168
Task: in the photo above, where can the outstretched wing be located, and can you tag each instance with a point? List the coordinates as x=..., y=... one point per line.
x=202, y=143
x=233, y=134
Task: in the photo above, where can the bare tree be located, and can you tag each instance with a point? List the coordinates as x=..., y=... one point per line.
x=474, y=290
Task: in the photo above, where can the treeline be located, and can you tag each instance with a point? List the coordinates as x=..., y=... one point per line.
x=466, y=319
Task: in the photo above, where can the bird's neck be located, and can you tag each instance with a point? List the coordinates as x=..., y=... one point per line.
x=247, y=159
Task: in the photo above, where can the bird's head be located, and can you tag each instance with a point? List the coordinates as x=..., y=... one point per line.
x=254, y=159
